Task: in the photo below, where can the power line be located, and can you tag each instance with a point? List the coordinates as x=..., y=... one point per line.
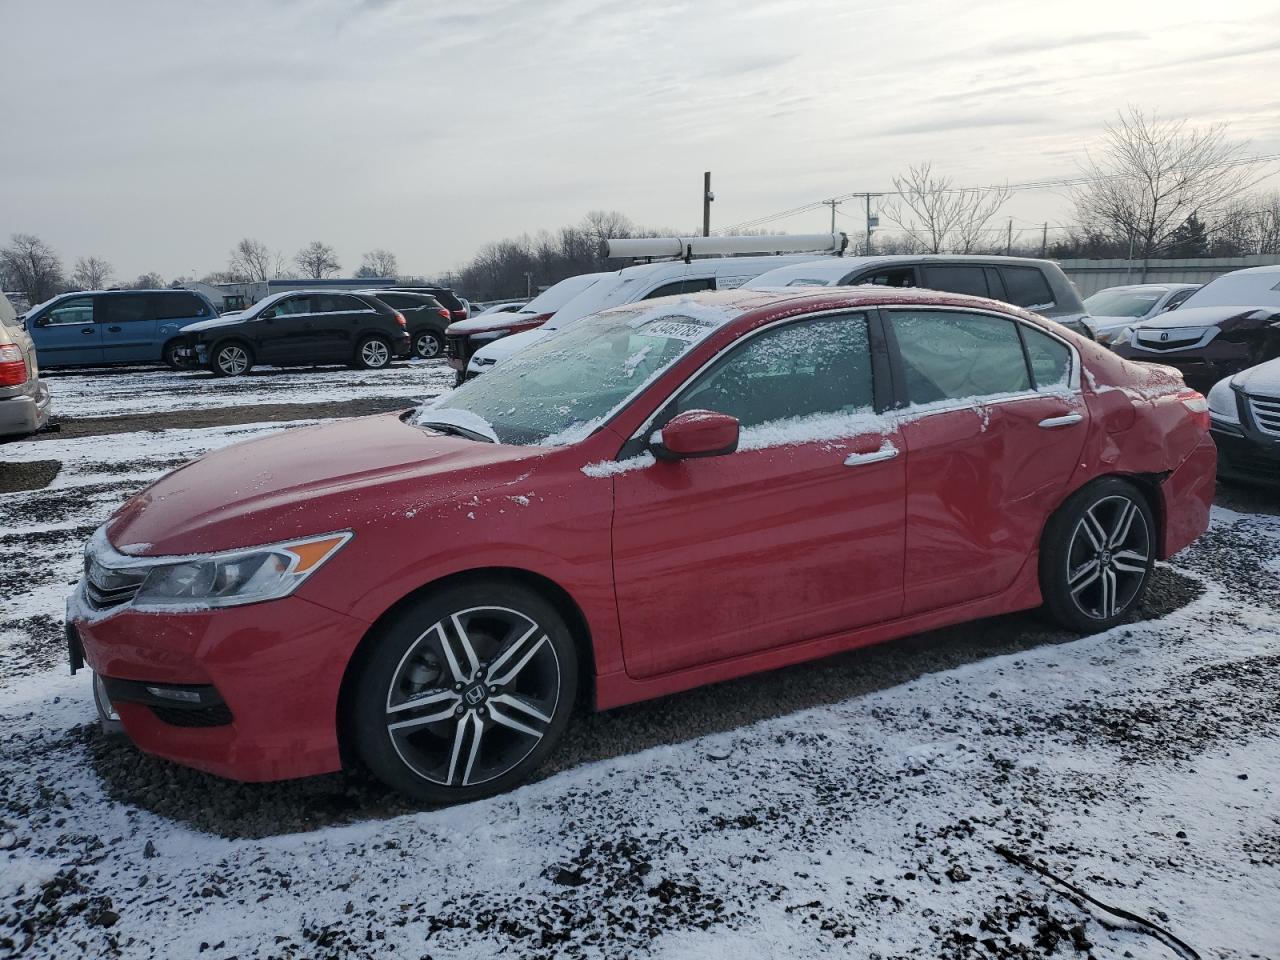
x=1044, y=184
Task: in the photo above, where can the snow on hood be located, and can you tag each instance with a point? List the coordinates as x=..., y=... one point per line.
x=501, y=349
x=1264, y=379
x=1200, y=317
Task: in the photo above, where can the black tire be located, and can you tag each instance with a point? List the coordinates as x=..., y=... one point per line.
x=459, y=379
x=428, y=345
x=169, y=357
x=1097, y=555
x=492, y=668
x=373, y=353
x=231, y=359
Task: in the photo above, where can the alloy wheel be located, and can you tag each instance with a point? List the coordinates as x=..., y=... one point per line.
x=233, y=360
x=375, y=354
x=427, y=346
x=473, y=696
x=1108, y=558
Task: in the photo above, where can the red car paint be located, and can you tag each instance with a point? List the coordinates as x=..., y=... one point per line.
x=682, y=573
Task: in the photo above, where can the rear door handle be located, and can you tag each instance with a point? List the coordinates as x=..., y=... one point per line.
x=886, y=452
x=1066, y=420
x=113, y=329
x=86, y=330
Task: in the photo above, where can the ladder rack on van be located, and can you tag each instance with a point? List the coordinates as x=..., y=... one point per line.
x=686, y=248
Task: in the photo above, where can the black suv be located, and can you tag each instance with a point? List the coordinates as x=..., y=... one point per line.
x=300, y=327
x=426, y=316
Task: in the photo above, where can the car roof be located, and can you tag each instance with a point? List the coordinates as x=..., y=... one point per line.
x=833, y=269
x=1139, y=287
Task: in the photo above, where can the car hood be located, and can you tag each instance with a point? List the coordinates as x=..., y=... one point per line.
x=1262, y=380
x=502, y=349
x=1201, y=317
x=213, y=324
x=304, y=481
x=487, y=321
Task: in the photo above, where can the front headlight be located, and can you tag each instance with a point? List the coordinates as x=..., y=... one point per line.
x=233, y=577
x=1222, y=402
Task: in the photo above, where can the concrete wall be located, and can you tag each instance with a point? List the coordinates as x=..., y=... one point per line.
x=1090, y=276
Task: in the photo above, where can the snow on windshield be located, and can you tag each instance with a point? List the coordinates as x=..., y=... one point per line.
x=562, y=389
x=1241, y=289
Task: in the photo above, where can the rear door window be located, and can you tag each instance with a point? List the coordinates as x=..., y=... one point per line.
x=1027, y=287
x=956, y=356
x=957, y=278
x=125, y=309
x=172, y=305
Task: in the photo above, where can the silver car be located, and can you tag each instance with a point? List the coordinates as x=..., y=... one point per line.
x=1115, y=309
x=24, y=400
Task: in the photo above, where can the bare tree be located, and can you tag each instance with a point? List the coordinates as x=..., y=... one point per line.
x=317, y=260
x=91, y=273
x=147, y=281
x=1151, y=174
x=379, y=263
x=251, y=260
x=29, y=264
x=939, y=217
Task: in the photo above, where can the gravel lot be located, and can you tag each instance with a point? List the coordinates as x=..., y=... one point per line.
x=847, y=807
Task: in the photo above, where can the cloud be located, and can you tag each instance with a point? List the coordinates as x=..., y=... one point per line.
x=1042, y=44
x=970, y=122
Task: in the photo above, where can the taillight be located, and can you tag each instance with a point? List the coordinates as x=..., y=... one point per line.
x=400, y=319
x=13, y=369
x=459, y=314
x=445, y=314
x=1197, y=406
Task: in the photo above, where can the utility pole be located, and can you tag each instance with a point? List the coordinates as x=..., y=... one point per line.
x=1008, y=239
x=1044, y=240
x=707, y=197
x=832, y=204
x=872, y=222
x=528, y=285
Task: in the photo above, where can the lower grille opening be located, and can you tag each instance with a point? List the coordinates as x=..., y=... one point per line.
x=218, y=715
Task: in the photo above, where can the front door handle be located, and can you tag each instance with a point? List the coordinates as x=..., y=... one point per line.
x=1066, y=420
x=887, y=452
x=86, y=330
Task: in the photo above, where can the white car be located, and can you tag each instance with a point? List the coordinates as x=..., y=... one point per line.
x=644, y=281
x=1114, y=309
x=510, y=307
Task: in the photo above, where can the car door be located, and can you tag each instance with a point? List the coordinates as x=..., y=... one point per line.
x=337, y=321
x=993, y=429
x=66, y=335
x=283, y=332
x=128, y=327
x=796, y=535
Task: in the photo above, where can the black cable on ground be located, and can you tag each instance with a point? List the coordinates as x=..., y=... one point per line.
x=1160, y=933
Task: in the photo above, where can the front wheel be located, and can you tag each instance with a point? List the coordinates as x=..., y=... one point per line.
x=231, y=360
x=465, y=693
x=1097, y=556
x=171, y=359
x=373, y=353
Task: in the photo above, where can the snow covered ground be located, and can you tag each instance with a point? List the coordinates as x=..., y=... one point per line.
x=1143, y=765
x=113, y=392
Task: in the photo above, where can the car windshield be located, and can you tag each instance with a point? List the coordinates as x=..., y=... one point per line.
x=559, y=390
x=1122, y=303
x=1245, y=288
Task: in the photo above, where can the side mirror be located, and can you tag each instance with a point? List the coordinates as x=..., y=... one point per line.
x=696, y=433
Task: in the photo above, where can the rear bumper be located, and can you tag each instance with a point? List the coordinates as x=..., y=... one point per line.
x=1187, y=498
x=261, y=684
x=27, y=414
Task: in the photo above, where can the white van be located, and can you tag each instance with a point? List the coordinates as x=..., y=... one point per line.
x=648, y=281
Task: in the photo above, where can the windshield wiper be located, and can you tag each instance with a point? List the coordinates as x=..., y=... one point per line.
x=454, y=430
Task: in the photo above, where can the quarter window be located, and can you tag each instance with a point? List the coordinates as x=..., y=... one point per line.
x=1050, y=359
x=1027, y=287
x=954, y=356
x=75, y=310
x=802, y=369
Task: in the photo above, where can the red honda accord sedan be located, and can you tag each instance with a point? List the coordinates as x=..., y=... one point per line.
x=663, y=495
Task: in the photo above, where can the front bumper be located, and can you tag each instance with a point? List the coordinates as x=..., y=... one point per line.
x=261, y=683
x=1204, y=364
x=1247, y=455
x=25, y=414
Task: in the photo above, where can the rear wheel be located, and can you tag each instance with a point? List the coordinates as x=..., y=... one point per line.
x=231, y=360
x=465, y=693
x=373, y=353
x=1097, y=556
x=428, y=345
x=170, y=356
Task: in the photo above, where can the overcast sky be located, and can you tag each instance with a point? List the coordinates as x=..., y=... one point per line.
x=156, y=134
